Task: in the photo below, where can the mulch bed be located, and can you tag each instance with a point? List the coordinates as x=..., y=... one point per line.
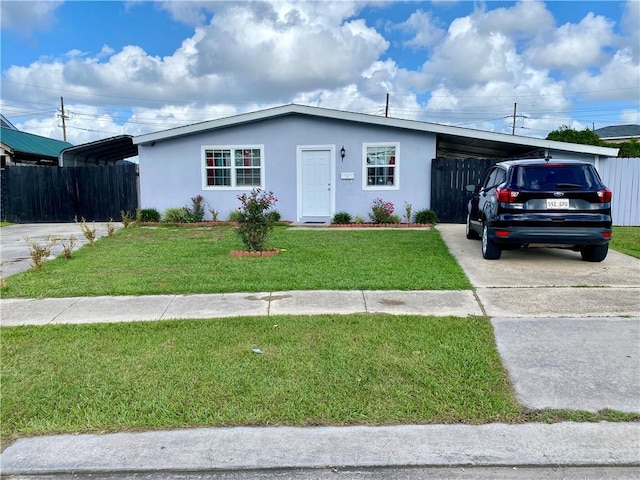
x=265, y=253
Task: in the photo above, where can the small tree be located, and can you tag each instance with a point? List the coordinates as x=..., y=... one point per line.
x=584, y=137
x=630, y=149
x=254, y=221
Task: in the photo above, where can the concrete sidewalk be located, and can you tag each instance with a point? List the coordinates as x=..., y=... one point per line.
x=246, y=448
x=538, y=302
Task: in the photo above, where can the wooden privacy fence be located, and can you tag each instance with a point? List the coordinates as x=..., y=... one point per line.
x=449, y=178
x=37, y=194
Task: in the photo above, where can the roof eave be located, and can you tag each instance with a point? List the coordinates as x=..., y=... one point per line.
x=373, y=120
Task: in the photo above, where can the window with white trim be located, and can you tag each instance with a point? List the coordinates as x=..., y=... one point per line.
x=380, y=166
x=232, y=167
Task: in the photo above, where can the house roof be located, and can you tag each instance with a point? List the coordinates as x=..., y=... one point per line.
x=31, y=144
x=104, y=152
x=479, y=141
x=5, y=123
x=619, y=131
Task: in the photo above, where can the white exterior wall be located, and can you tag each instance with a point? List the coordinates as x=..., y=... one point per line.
x=171, y=171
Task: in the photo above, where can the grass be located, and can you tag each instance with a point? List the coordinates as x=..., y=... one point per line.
x=364, y=369
x=176, y=260
x=626, y=240
x=4, y=223
x=328, y=370
x=324, y=370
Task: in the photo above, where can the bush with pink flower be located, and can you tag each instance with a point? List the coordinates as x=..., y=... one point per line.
x=255, y=220
x=381, y=211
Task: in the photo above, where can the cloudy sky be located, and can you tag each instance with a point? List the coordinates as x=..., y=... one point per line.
x=139, y=66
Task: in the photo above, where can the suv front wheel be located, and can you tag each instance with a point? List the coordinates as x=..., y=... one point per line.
x=471, y=233
x=490, y=251
x=594, y=253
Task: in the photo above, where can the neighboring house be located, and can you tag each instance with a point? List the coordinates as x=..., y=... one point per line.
x=21, y=148
x=618, y=133
x=318, y=161
x=5, y=123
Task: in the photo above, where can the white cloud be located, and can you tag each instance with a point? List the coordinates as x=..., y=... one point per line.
x=617, y=80
x=279, y=49
x=249, y=55
x=425, y=32
x=630, y=22
x=26, y=16
x=630, y=116
x=250, y=52
x=575, y=46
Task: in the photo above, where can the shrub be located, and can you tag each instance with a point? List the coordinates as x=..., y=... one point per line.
x=426, y=216
x=274, y=216
x=175, y=215
x=394, y=219
x=341, y=218
x=88, y=232
x=111, y=229
x=67, y=248
x=195, y=213
x=407, y=211
x=39, y=253
x=358, y=219
x=255, y=223
x=127, y=219
x=381, y=211
x=148, y=215
x=234, y=216
x=214, y=213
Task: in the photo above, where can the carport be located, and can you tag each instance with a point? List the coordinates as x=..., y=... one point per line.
x=108, y=151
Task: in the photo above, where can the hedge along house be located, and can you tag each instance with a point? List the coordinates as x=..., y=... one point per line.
x=318, y=161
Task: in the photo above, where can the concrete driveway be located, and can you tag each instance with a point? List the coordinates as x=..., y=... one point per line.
x=14, y=250
x=546, y=282
x=567, y=330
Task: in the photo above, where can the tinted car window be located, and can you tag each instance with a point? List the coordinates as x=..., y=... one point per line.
x=496, y=177
x=542, y=177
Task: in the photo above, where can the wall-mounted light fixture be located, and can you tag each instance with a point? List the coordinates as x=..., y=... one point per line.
x=343, y=152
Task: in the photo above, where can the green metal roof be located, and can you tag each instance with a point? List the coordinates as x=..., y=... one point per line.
x=32, y=144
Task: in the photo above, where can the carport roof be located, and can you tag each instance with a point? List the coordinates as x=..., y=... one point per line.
x=105, y=151
x=479, y=142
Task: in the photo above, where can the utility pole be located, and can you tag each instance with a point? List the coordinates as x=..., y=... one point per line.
x=64, y=117
x=515, y=115
x=386, y=108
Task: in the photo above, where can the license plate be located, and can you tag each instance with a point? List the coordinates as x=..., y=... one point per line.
x=557, y=203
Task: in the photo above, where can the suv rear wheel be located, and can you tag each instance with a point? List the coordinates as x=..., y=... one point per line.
x=490, y=251
x=594, y=253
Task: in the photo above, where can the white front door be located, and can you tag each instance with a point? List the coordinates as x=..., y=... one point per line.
x=315, y=183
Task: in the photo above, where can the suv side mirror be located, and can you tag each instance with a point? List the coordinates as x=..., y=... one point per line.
x=471, y=188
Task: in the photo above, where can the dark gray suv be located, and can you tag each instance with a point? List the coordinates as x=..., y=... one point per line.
x=526, y=203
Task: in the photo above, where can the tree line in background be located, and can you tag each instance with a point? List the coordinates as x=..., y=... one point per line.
x=630, y=149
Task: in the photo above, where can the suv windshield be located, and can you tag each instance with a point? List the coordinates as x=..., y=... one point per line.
x=554, y=177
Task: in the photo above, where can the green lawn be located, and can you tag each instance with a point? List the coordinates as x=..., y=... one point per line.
x=175, y=260
x=626, y=240
x=327, y=370
x=322, y=370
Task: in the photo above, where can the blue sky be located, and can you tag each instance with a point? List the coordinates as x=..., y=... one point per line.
x=137, y=67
